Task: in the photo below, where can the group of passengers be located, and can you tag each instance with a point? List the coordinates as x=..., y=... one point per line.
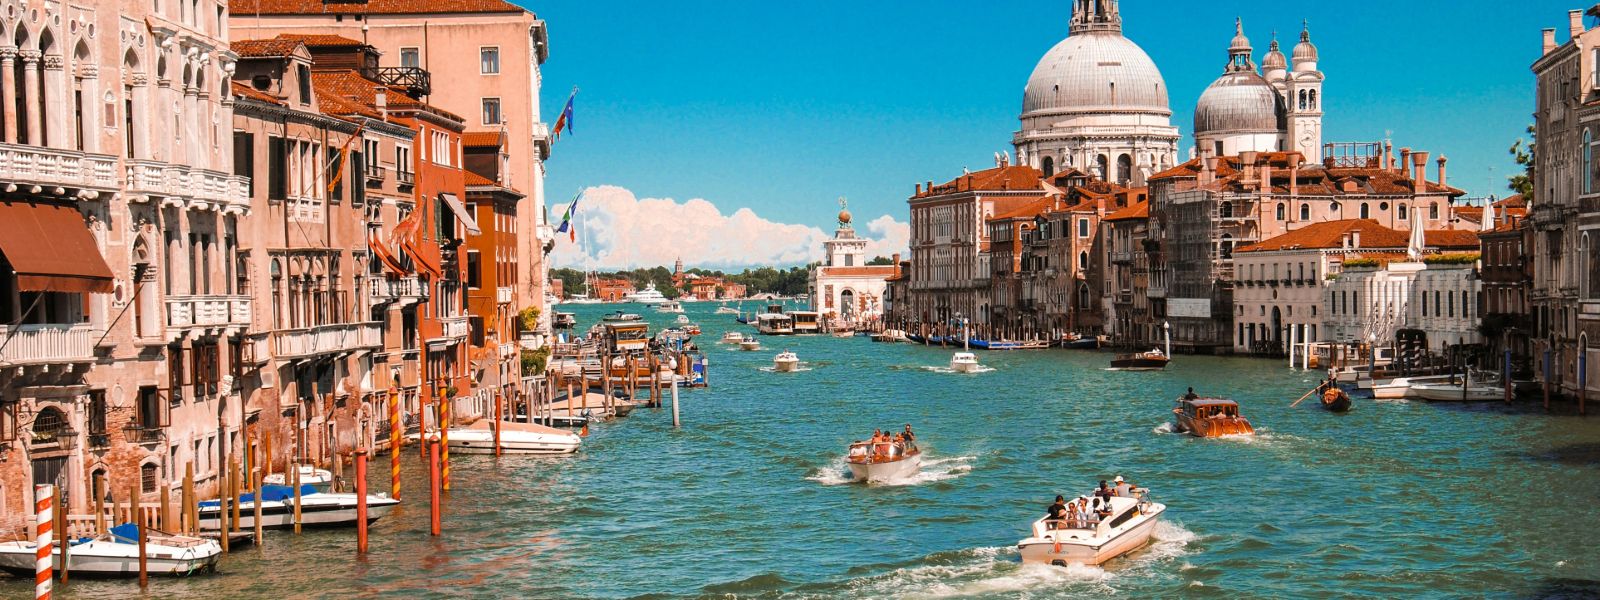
x=1085, y=512
x=884, y=446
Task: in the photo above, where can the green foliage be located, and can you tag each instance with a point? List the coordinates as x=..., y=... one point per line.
x=880, y=261
x=534, y=361
x=1358, y=263
x=1522, y=183
x=1457, y=258
x=571, y=280
x=787, y=282
x=529, y=318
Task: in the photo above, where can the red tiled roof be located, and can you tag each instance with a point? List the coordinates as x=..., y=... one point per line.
x=1331, y=234
x=1030, y=208
x=1009, y=178
x=244, y=90
x=1311, y=179
x=359, y=96
x=273, y=48
x=393, y=7
x=476, y=179
x=1449, y=239
x=1139, y=210
x=321, y=40
x=482, y=138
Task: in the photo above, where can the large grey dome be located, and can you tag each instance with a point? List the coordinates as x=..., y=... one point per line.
x=1095, y=71
x=1239, y=102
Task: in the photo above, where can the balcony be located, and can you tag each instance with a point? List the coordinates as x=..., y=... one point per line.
x=407, y=288
x=184, y=312
x=135, y=433
x=191, y=186
x=326, y=339
x=452, y=330
x=375, y=175
x=504, y=295
x=47, y=343
x=541, y=140
x=414, y=80
x=52, y=167
x=405, y=178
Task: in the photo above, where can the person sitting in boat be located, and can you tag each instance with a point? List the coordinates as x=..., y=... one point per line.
x=1124, y=489
x=1191, y=395
x=1087, y=516
x=858, y=451
x=1056, y=514
x=1103, y=492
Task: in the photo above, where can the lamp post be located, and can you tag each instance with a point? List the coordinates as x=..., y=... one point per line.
x=1166, y=331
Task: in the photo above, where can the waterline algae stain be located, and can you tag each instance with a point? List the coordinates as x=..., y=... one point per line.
x=747, y=499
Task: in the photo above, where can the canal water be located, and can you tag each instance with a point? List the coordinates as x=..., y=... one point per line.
x=749, y=499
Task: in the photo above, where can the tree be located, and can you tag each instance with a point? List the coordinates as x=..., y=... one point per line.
x=1522, y=183
x=879, y=261
x=572, y=280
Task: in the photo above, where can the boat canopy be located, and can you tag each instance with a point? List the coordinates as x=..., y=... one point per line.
x=269, y=493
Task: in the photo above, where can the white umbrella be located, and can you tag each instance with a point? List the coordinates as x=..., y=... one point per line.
x=1415, y=246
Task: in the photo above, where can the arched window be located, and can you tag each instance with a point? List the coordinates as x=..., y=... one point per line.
x=1083, y=296
x=1401, y=212
x=147, y=477
x=1227, y=246
x=1227, y=209
x=1102, y=167
x=1048, y=165
x=1083, y=261
x=1313, y=107
x=1124, y=169
x=1305, y=212
x=1366, y=213
x=49, y=425
x=1280, y=211
x=1588, y=162
x=1302, y=99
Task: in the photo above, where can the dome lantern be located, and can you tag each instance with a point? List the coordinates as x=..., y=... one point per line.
x=1305, y=53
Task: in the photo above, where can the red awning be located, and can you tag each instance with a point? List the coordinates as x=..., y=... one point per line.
x=51, y=249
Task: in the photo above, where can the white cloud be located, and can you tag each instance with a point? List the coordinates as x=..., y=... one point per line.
x=619, y=230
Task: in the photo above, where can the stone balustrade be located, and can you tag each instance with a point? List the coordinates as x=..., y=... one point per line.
x=36, y=165
x=325, y=339
x=47, y=343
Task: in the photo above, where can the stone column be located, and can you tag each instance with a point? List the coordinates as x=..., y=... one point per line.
x=89, y=89
x=30, y=73
x=8, y=92
x=54, y=91
x=141, y=108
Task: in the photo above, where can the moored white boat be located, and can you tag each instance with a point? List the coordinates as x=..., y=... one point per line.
x=1400, y=387
x=1093, y=541
x=786, y=362
x=670, y=306
x=964, y=362
x=320, y=479
x=515, y=438
x=1456, y=390
x=877, y=463
x=116, y=554
x=316, y=509
x=890, y=335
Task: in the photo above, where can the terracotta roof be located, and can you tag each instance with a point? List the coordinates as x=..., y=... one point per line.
x=1331, y=234
x=872, y=271
x=476, y=179
x=1310, y=179
x=1139, y=210
x=1010, y=178
x=273, y=48
x=393, y=7
x=1449, y=239
x=321, y=40
x=1030, y=208
x=359, y=96
x=244, y=90
x=482, y=138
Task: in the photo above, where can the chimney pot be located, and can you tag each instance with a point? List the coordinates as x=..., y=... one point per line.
x=1405, y=161
x=919, y=189
x=1419, y=170
x=1355, y=239
x=1549, y=40
x=1441, y=162
x=1574, y=23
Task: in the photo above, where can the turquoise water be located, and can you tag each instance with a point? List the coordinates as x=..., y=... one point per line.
x=747, y=500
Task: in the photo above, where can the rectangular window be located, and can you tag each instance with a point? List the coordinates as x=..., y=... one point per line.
x=244, y=157
x=303, y=73
x=474, y=269
x=410, y=57
x=1083, y=228
x=489, y=60
x=491, y=111
x=277, y=169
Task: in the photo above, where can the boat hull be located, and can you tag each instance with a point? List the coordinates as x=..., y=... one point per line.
x=1453, y=393
x=1337, y=403
x=786, y=366
x=1139, y=364
x=280, y=515
x=100, y=558
x=1087, y=551
x=475, y=441
x=964, y=367
x=1210, y=428
x=877, y=472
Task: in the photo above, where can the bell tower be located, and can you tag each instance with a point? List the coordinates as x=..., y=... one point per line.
x=1304, y=100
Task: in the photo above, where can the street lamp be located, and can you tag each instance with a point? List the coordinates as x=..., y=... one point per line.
x=1166, y=330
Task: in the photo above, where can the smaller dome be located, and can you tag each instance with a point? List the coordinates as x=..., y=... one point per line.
x=1240, y=44
x=1305, y=53
x=1239, y=102
x=1274, y=60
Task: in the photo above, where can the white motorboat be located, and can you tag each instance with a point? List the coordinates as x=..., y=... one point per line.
x=732, y=337
x=648, y=295
x=774, y=324
x=316, y=509
x=320, y=479
x=749, y=343
x=876, y=463
x=1454, y=389
x=515, y=438
x=670, y=307
x=1400, y=387
x=727, y=310
x=964, y=362
x=786, y=362
x=1093, y=541
x=116, y=554
x=682, y=319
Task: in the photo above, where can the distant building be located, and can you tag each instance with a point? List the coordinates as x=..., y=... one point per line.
x=611, y=290
x=1126, y=236
x=1506, y=274
x=844, y=288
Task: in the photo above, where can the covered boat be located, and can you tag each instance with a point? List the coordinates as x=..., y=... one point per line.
x=515, y=438
x=1209, y=417
x=316, y=509
x=1105, y=535
x=884, y=461
x=319, y=479
x=1141, y=361
x=786, y=362
x=732, y=337
x=890, y=335
x=116, y=554
x=1459, y=389
x=1400, y=387
x=964, y=362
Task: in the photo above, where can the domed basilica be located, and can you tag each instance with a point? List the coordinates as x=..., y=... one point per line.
x=1097, y=103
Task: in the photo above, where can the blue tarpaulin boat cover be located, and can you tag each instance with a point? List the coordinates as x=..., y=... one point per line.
x=126, y=533
x=269, y=493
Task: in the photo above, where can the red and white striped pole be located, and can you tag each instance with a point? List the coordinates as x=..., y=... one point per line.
x=44, y=518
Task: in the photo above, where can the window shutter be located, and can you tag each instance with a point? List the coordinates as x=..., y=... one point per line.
x=358, y=178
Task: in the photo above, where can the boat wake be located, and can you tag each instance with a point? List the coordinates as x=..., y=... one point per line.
x=1163, y=428
x=980, y=369
x=772, y=369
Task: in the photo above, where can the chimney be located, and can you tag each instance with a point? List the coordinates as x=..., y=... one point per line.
x=1388, y=155
x=1208, y=169
x=896, y=260
x=380, y=100
x=1405, y=161
x=1575, y=23
x=1549, y=40
x=1247, y=161
x=919, y=189
x=1419, y=170
x=1355, y=239
x=1266, y=176
x=1441, y=162
x=1344, y=242
x=1294, y=178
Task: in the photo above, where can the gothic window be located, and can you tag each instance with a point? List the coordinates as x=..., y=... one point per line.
x=1226, y=210
x=1049, y=166
x=1365, y=212
x=1588, y=162
x=1281, y=211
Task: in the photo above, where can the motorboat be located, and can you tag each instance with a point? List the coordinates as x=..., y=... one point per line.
x=649, y=296
x=732, y=337
x=116, y=554
x=682, y=319
x=890, y=335
x=622, y=317
x=1083, y=342
x=749, y=343
x=317, y=509
x=964, y=362
x=1153, y=360
x=1209, y=417
x=774, y=324
x=564, y=320
x=515, y=438
x=1125, y=527
x=876, y=463
x=1460, y=389
x=670, y=306
x=786, y=362
x=1400, y=387
x=1013, y=344
x=319, y=479
x=726, y=310
x=691, y=329
x=1336, y=400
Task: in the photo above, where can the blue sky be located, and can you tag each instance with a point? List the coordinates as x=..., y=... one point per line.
x=784, y=107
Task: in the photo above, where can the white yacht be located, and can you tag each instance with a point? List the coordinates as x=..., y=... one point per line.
x=1400, y=387
x=1095, y=540
x=786, y=362
x=749, y=343
x=670, y=307
x=1455, y=389
x=116, y=554
x=316, y=509
x=515, y=438
x=648, y=295
x=964, y=362
x=732, y=337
